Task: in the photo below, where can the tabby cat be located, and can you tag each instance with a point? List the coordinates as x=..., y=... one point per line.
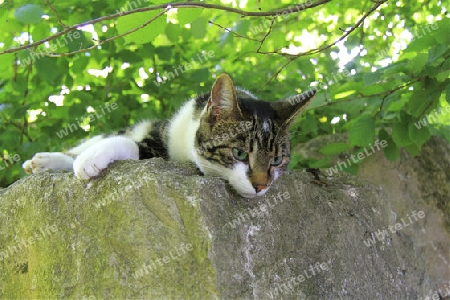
x=229, y=133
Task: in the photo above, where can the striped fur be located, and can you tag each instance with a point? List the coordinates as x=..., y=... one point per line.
x=228, y=132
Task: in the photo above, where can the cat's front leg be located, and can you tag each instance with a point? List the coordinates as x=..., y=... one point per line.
x=48, y=161
x=98, y=156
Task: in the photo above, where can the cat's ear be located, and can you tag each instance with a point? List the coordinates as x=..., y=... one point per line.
x=223, y=100
x=288, y=110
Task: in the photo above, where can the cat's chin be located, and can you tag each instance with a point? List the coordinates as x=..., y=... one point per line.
x=237, y=176
x=252, y=195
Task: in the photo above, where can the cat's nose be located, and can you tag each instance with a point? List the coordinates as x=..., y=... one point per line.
x=260, y=187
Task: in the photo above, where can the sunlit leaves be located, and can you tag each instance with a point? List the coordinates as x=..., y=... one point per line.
x=199, y=28
x=145, y=34
x=447, y=93
x=41, y=31
x=173, y=32
x=29, y=14
x=6, y=61
x=187, y=15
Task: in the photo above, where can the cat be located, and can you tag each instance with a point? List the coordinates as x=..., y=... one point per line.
x=228, y=132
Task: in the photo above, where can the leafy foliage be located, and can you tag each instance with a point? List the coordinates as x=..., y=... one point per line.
x=387, y=77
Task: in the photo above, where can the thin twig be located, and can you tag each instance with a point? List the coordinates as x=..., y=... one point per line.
x=266, y=35
x=276, y=73
x=243, y=13
x=362, y=96
x=323, y=48
x=234, y=33
x=56, y=14
x=107, y=40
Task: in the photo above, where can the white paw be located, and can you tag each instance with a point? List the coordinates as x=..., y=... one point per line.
x=27, y=167
x=48, y=161
x=97, y=157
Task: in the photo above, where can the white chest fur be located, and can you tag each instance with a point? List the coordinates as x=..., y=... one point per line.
x=181, y=133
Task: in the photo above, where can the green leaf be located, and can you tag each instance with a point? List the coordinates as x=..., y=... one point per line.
x=164, y=52
x=383, y=134
x=187, y=15
x=352, y=169
x=417, y=64
x=226, y=38
x=396, y=68
x=173, y=32
x=371, y=78
x=391, y=151
x=40, y=31
x=6, y=61
x=363, y=131
x=323, y=163
x=400, y=134
x=74, y=40
x=242, y=26
x=26, y=58
x=198, y=27
x=21, y=111
x=334, y=148
x=436, y=52
x=413, y=149
x=318, y=100
x=420, y=41
x=418, y=102
x=47, y=68
x=397, y=105
x=200, y=75
x=418, y=136
x=76, y=111
x=309, y=124
x=143, y=35
x=29, y=14
x=426, y=99
x=374, y=89
x=19, y=86
x=80, y=64
x=447, y=93
x=306, y=67
x=442, y=76
x=441, y=30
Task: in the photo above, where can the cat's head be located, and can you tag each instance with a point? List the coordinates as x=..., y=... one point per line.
x=243, y=139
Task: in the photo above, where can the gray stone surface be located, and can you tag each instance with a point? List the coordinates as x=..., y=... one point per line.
x=157, y=230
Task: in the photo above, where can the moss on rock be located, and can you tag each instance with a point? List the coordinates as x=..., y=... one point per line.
x=158, y=230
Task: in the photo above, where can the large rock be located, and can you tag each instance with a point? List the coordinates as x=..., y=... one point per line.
x=154, y=229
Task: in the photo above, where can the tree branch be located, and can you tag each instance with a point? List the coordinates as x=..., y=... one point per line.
x=110, y=39
x=166, y=7
x=323, y=48
x=56, y=14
